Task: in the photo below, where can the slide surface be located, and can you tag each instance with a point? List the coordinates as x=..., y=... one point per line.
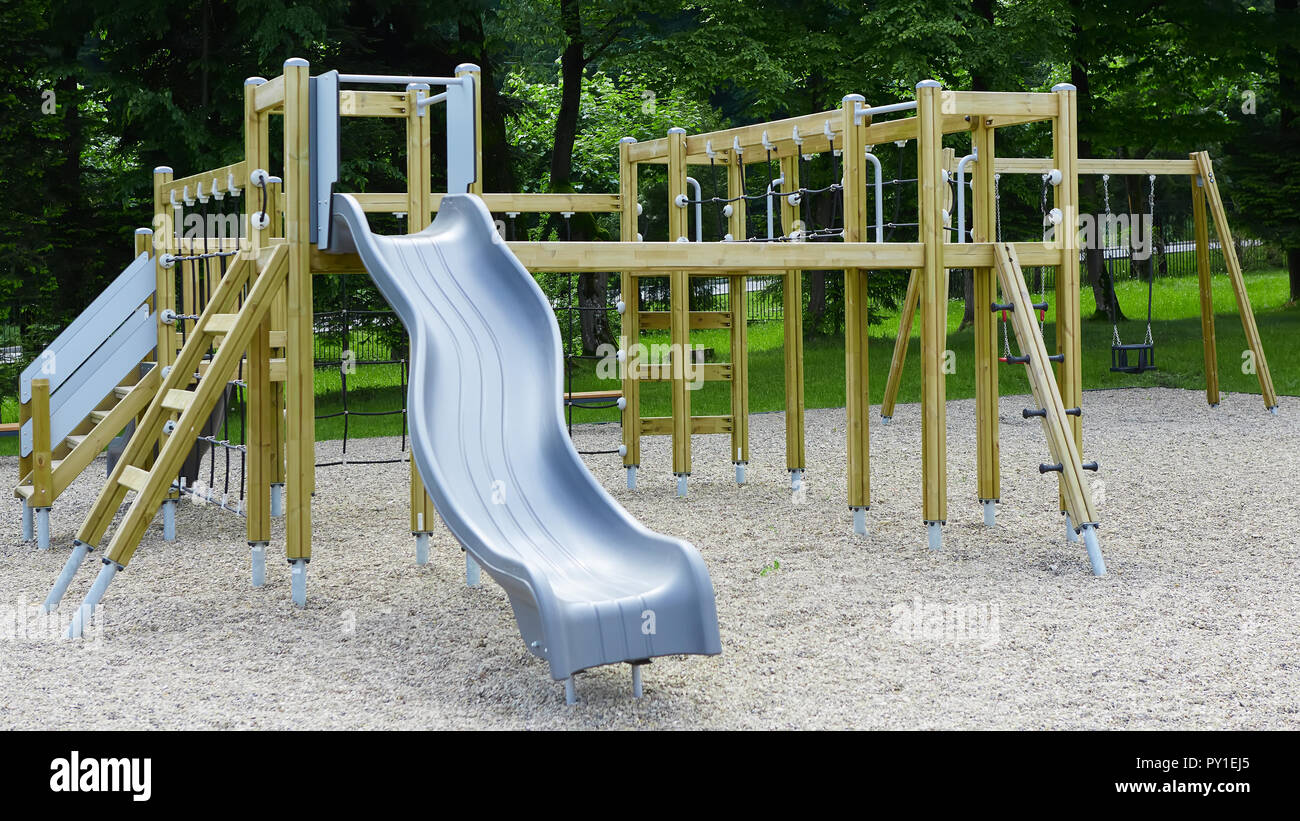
x=589, y=585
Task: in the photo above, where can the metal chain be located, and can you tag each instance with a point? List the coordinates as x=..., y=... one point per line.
x=1151, y=211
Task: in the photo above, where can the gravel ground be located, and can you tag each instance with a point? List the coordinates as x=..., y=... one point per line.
x=1196, y=625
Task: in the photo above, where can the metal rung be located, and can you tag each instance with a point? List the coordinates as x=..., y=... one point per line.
x=1000, y=307
x=1042, y=306
x=1018, y=360
x=1074, y=411
x=1056, y=357
x=1028, y=413
x=1091, y=466
x=1058, y=467
x=220, y=324
x=133, y=478
x=178, y=400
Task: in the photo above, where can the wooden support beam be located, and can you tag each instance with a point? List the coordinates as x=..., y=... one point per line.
x=1220, y=216
x=1069, y=322
x=300, y=391
x=630, y=290
x=934, y=306
x=988, y=477
x=1205, y=283
x=679, y=305
x=392, y=104
x=270, y=94
x=906, y=316
x=856, y=310
x=1099, y=165
x=699, y=320
x=664, y=425
x=42, y=460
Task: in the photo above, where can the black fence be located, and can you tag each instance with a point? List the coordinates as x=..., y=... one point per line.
x=763, y=295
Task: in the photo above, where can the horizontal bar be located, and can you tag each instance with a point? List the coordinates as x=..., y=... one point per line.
x=222, y=176
x=397, y=79
x=397, y=202
x=699, y=320
x=906, y=105
x=663, y=425
x=372, y=104
x=270, y=94
x=1038, y=105
x=1041, y=165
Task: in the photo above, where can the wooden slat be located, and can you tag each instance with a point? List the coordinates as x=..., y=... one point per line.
x=220, y=324
x=1209, y=347
x=279, y=339
x=269, y=94
x=704, y=371
x=222, y=176
x=178, y=400
x=663, y=425
x=699, y=320
x=578, y=396
x=372, y=104
x=1041, y=165
x=714, y=256
x=995, y=103
x=133, y=478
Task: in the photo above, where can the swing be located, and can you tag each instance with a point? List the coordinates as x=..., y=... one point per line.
x=1140, y=357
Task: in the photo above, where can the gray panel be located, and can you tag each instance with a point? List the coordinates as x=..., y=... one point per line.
x=462, y=162
x=89, y=330
x=107, y=366
x=588, y=583
x=324, y=119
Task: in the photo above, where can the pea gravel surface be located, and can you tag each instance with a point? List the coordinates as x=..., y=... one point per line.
x=1195, y=626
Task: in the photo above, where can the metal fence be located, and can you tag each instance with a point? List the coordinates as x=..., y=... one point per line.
x=763, y=295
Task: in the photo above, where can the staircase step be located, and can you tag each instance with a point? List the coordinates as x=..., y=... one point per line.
x=122, y=391
x=98, y=416
x=25, y=491
x=74, y=440
x=220, y=324
x=133, y=478
x=178, y=400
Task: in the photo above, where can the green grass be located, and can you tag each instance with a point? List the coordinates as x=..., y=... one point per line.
x=1176, y=328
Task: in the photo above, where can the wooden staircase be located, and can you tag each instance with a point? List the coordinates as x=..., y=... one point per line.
x=176, y=413
x=1076, y=492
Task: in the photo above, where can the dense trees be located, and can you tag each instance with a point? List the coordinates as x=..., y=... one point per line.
x=95, y=93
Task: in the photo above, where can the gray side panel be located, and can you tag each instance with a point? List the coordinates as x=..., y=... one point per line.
x=587, y=582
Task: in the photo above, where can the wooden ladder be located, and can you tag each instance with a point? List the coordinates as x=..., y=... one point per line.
x=177, y=412
x=1074, y=487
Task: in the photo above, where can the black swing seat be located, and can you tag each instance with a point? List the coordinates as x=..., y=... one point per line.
x=1145, y=359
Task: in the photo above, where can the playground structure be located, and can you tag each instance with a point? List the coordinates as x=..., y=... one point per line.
x=249, y=319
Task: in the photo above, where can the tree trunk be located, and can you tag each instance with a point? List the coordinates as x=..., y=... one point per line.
x=1288, y=81
x=1103, y=286
x=1293, y=270
x=498, y=170
x=979, y=81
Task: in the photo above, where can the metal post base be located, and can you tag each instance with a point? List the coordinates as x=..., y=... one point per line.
x=277, y=499
x=990, y=512
x=27, y=522
x=1094, y=550
x=570, y=692
x=740, y=473
x=169, y=520
x=796, y=478
x=631, y=477
x=422, y=548
x=1070, y=535
x=473, y=574
x=636, y=681
x=1273, y=410
x=79, y=552
x=43, y=528
x=258, y=551
x=860, y=521
x=935, y=531
x=885, y=420
x=681, y=484
x=84, y=613
x=298, y=581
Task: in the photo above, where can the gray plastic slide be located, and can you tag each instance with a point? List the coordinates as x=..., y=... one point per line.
x=589, y=585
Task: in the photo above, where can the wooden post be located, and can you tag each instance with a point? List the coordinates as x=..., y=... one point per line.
x=164, y=241
x=679, y=309
x=792, y=317
x=301, y=428
x=984, y=229
x=934, y=308
x=1202, y=230
x=260, y=435
x=42, y=460
x=630, y=289
x=906, y=315
x=419, y=210
x=856, y=394
x=1069, y=322
x=1215, y=201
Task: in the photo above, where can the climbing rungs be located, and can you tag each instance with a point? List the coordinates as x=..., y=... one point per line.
x=178, y=400
x=133, y=478
x=700, y=320
x=663, y=425
x=220, y=324
x=706, y=371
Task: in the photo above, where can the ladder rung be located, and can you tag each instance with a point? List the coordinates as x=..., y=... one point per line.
x=178, y=400
x=122, y=391
x=25, y=491
x=99, y=416
x=133, y=478
x=74, y=440
x=220, y=324
x=1056, y=357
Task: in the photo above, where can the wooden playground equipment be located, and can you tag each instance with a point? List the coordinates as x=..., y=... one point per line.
x=249, y=317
